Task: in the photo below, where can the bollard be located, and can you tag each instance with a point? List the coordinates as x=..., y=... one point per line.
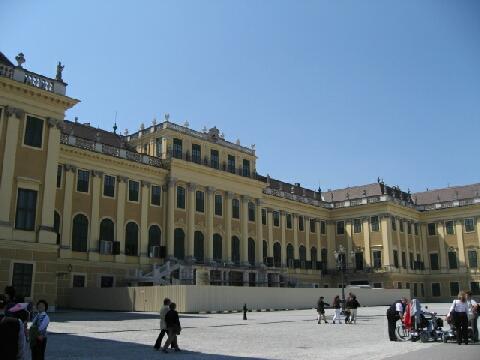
x=244, y=311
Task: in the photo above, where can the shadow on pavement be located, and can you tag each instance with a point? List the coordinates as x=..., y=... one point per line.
x=78, y=315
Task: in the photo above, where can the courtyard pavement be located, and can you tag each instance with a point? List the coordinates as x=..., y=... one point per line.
x=265, y=335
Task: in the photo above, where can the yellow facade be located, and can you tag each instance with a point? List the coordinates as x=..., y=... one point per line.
x=85, y=207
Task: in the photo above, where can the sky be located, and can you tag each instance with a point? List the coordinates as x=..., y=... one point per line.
x=332, y=93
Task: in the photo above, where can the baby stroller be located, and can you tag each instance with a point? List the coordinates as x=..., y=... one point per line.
x=451, y=334
x=426, y=326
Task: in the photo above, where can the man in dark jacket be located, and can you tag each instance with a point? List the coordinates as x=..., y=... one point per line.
x=394, y=313
x=12, y=335
x=321, y=310
x=173, y=328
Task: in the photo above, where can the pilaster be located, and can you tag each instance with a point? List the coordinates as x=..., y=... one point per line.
x=93, y=245
x=120, y=225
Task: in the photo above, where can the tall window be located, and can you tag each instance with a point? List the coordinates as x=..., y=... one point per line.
x=198, y=247
x=434, y=261
x=415, y=228
x=246, y=168
x=302, y=253
x=218, y=205
x=177, y=148
x=264, y=216
x=475, y=287
x=22, y=279
x=214, y=162
x=404, y=259
x=374, y=223
x=80, y=233
x=277, y=254
x=251, y=211
x=251, y=251
x=200, y=201
x=432, y=229
x=412, y=260
x=395, y=258
x=154, y=239
x=265, y=250
x=235, y=250
x=180, y=197
x=452, y=260
x=131, y=239
x=56, y=225
x=26, y=209
x=59, y=176
x=156, y=195
x=359, y=260
x=377, y=259
x=290, y=255
x=231, y=164
x=436, y=290
x=235, y=209
x=409, y=227
x=401, y=222
x=289, y=220
x=340, y=227
x=196, y=153
x=217, y=247
x=276, y=218
x=179, y=244
x=158, y=147
x=324, y=257
x=454, y=288
x=469, y=227
x=109, y=186
x=107, y=230
x=314, y=257
x=357, y=226
x=83, y=179
x=472, y=259
x=323, y=228
x=312, y=226
x=33, y=132
x=301, y=223
x=394, y=223
x=133, y=189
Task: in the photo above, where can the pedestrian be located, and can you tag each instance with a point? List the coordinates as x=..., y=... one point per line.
x=353, y=305
x=321, y=310
x=10, y=298
x=394, y=313
x=348, y=311
x=337, y=307
x=459, y=313
x=12, y=335
x=38, y=331
x=173, y=327
x=472, y=314
x=163, y=325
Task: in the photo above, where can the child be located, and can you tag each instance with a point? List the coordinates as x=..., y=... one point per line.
x=321, y=310
x=338, y=310
x=38, y=331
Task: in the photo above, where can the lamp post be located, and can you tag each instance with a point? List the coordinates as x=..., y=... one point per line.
x=342, y=267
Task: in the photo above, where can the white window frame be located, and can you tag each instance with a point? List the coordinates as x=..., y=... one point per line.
x=114, y=189
x=25, y=130
x=465, y=225
x=151, y=192
x=77, y=177
x=139, y=192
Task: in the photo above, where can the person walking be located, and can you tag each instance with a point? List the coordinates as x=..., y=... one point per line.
x=163, y=325
x=472, y=314
x=353, y=305
x=321, y=310
x=12, y=335
x=173, y=327
x=338, y=308
x=459, y=313
x=394, y=313
x=38, y=331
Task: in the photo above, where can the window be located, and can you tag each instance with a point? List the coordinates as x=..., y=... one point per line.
x=177, y=148
x=314, y=257
x=475, y=287
x=415, y=290
x=395, y=258
x=26, y=210
x=434, y=261
x=107, y=230
x=276, y=218
x=200, y=201
x=218, y=205
x=180, y=197
x=131, y=239
x=394, y=223
x=78, y=281
x=290, y=255
x=312, y=226
x=179, y=244
x=289, y=221
x=422, y=290
x=80, y=233
x=407, y=285
x=377, y=285
x=449, y=225
x=156, y=195
x=301, y=225
x=277, y=254
x=231, y=164
x=436, y=290
x=452, y=260
x=59, y=176
x=323, y=228
x=251, y=211
x=217, y=247
x=264, y=216
x=145, y=148
x=357, y=226
x=154, y=239
x=251, y=251
x=469, y=227
x=83, y=180
x=198, y=247
x=415, y=229
x=196, y=153
x=402, y=226
x=33, y=132
x=133, y=188
x=374, y=223
x=409, y=228
x=109, y=186
x=359, y=260
x=472, y=258
x=454, y=288
x=246, y=168
x=340, y=227
x=302, y=252
x=432, y=229
x=412, y=260
x=399, y=285
x=214, y=163
x=235, y=209
x=377, y=259
x=235, y=250
x=56, y=225
x=404, y=259
x=22, y=279
x=324, y=258
x=106, y=281
x=158, y=147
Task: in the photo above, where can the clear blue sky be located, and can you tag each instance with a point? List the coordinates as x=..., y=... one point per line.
x=334, y=93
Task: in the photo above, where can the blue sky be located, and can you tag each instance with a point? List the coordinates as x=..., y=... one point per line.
x=333, y=93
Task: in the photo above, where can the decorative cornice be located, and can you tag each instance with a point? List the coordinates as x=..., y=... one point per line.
x=69, y=167
x=229, y=195
x=210, y=189
x=244, y=198
x=13, y=111
x=96, y=173
x=191, y=186
x=52, y=122
x=123, y=179
x=146, y=183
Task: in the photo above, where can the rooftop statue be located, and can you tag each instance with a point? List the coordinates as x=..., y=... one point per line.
x=59, y=71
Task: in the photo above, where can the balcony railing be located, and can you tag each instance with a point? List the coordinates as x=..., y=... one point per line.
x=30, y=78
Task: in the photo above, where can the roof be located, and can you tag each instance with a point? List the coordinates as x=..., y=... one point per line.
x=4, y=60
x=447, y=194
x=88, y=132
x=353, y=192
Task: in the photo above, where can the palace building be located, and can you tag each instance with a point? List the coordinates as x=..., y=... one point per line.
x=85, y=207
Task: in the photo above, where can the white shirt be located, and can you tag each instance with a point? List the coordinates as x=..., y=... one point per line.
x=399, y=307
x=163, y=311
x=458, y=306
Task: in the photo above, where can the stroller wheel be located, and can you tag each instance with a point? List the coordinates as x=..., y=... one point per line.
x=424, y=337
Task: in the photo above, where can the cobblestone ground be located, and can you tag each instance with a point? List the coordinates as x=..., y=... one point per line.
x=266, y=335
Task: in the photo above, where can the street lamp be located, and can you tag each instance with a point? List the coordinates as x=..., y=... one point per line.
x=342, y=267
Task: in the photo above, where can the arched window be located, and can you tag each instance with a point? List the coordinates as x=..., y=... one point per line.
x=251, y=251
x=179, y=244
x=265, y=250
x=56, y=225
x=302, y=251
x=154, y=238
x=80, y=233
x=290, y=255
x=131, y=239
x=198, y=247
x=314, y=257
x=217, y=247
x=107, y=230
x=235, y=250
x=277, y=254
